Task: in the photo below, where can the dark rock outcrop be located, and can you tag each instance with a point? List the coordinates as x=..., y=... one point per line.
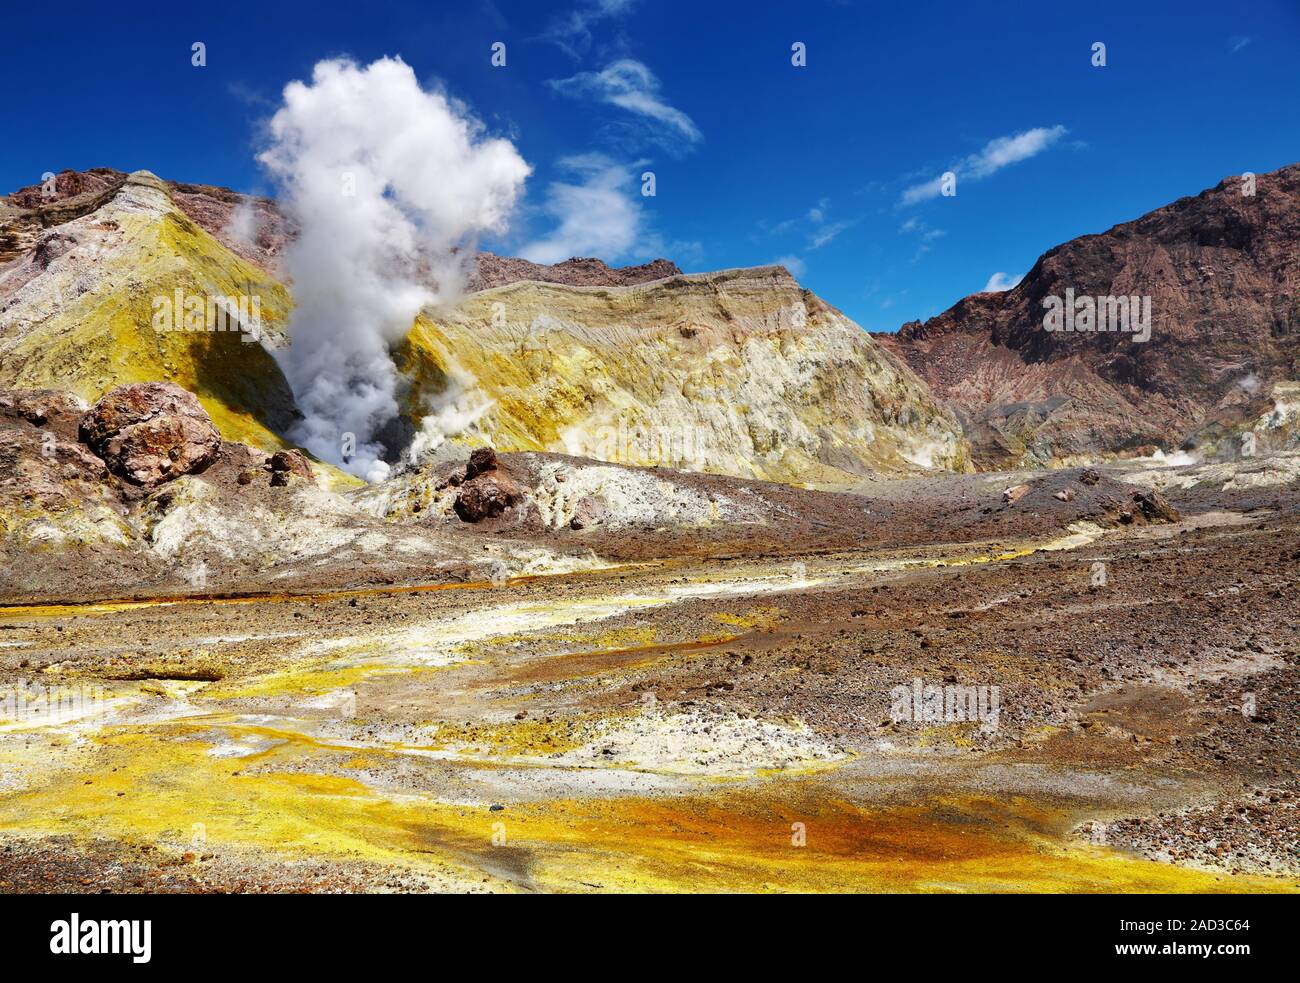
x=481, y=461
x=151, y=432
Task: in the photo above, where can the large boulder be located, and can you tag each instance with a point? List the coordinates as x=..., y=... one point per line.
x=486, y=491
x=151, y=432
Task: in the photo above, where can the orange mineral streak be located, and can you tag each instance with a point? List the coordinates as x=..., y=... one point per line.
x=37, y=609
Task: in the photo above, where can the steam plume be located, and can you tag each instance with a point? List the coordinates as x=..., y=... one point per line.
x=389, y=184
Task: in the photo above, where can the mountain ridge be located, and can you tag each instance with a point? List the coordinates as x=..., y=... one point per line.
x=751, y=375
x=1223, y=273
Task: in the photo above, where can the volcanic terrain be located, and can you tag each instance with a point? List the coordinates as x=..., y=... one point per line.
x=709, y=591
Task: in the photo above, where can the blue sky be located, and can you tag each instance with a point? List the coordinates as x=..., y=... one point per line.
x=755, y=159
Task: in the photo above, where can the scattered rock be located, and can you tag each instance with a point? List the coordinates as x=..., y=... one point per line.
x=1065, y=495
x=1154, y=508
x=151, y=432
x=1090, y=476
x=589, y=511
x=1015, y=493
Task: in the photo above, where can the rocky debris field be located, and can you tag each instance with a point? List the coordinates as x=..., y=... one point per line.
x=598, y=677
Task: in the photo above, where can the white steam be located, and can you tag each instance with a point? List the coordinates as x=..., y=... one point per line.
x=390, y=185
x=242, y=226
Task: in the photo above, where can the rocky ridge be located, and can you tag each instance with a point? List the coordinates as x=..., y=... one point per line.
x=740, y=372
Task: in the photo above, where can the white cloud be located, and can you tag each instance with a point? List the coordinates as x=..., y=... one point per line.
x=995, y=155
x=389, y=185
x=794, y=264
x=922, y=192
x=999, y=282
x=1237, y=43
x=630, y=85
x=597, y=215
x=572, y=31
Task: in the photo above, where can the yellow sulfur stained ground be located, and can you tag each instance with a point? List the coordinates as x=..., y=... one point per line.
x=154, y=784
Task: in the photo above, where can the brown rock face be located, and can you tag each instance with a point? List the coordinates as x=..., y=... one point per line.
x=249, y=225
x=151, y=432
x=1222, y=270
x=52, y=408
x=68, y=184
x=47, y=472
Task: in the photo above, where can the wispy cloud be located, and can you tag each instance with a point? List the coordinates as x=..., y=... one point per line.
x=596, y=214
x=246, y=94
x=825, y=234
x=999, y=282
x=924, y=233
x=995, y=155
x=631, y=86
x=917, y=227
x=1237, y=43
x=571, y=32
x=815, y=224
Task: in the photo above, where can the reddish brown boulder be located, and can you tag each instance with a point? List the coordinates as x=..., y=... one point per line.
x=151, y=432
x=487, y=496
x=483, y=460
x=290, y=466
